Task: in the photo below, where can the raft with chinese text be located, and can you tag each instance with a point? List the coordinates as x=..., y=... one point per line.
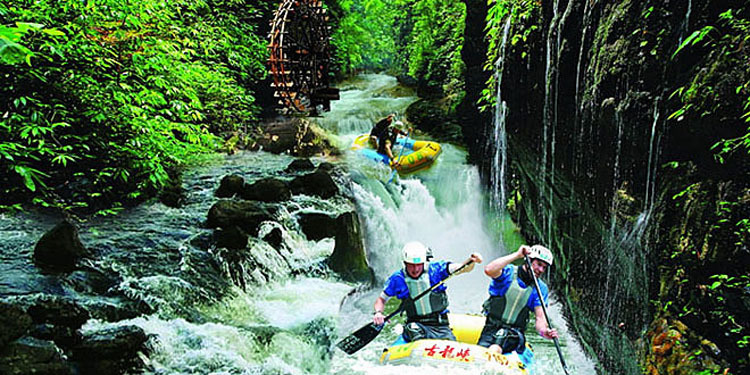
x=463, y=352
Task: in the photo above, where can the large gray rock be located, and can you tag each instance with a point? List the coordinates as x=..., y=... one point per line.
x=111, y=343
x=274, y=238
x=29, y=355
x=231, y=238
x=60, y=248
x=318, y=183
x=111, y=350
x=317, y=226
x=14, y=322
x=267, y=190
x=300, y=165
x=246, y=215
x=229, y=186
x=429, y=116
x=57, y=310
x=348, y=258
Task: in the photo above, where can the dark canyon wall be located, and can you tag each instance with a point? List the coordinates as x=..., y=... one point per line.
x=611, y=138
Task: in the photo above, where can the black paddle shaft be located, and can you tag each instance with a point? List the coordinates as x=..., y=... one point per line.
x=363, y=336
x=546, y=316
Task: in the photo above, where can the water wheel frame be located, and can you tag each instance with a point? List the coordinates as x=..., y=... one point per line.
x=299, y=56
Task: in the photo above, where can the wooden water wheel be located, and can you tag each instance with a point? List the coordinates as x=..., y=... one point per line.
x=299, y=56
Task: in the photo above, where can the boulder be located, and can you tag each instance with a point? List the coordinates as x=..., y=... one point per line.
x=317, y=226
x=246, y=215
x=63, y=336
x=111, y=343
x=231, y=238
x=348, y=258
x=406, y=80
x=229, y=186
x=274, y=238
x=29, y=355
x=57, y=310
x=14, y=320
x=318, y=183
x=300, y=165
x=429, y=89
x=60, y=248
x=111, y=350
x=173, y=195
x=326, y=167
x=266, y=190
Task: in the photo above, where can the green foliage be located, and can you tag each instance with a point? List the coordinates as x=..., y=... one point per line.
x=436, y=40
x=702, y=95
x=364, y=38
x=104, y=99
x=497, y=16
x=420, y=37
x=722, y=288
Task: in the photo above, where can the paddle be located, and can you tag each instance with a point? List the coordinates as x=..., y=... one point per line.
x=403, y=146
x=546, y=316
x=357, y=340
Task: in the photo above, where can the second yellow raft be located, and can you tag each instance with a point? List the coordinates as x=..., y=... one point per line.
x=421, y=154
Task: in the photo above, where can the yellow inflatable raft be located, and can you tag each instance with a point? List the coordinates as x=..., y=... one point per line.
x=463, y=352
x=418, y=155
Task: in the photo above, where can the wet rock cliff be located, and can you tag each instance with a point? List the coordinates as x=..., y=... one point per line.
x=625, y=123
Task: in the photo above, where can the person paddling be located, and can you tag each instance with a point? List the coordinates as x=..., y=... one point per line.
x=426, y=318
x=513, y=297
x=384, y=134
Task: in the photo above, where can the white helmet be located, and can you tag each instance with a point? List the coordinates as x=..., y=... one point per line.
x=542, y=253
x=414, y=252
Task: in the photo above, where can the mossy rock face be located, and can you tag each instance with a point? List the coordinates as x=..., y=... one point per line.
x=348, y=258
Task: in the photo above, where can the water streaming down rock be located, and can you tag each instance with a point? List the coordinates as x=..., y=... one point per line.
x=595, y=194
x=500, y=146
x=548, y=118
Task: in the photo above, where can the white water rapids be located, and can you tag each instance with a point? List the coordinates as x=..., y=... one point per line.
x=288, y=326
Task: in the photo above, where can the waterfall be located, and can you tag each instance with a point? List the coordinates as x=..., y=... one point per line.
x=616, y=171
x=580, y=133
x=685, y=27
x=549, y=120
x=500, y=159
x=653, y=158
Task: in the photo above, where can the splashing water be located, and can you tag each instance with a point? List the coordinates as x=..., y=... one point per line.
x=289, y=324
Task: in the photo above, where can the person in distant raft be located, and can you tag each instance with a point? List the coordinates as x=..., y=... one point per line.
x=427, y=317
x=379, y=128
x=383, y=135
x=512, y=297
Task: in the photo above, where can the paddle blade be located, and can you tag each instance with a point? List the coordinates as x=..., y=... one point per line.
x=357, y=340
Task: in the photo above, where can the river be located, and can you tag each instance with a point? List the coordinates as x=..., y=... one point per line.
x=289, y=324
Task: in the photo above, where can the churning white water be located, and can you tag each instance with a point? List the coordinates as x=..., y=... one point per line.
x=443, y=207
x=290, y=325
